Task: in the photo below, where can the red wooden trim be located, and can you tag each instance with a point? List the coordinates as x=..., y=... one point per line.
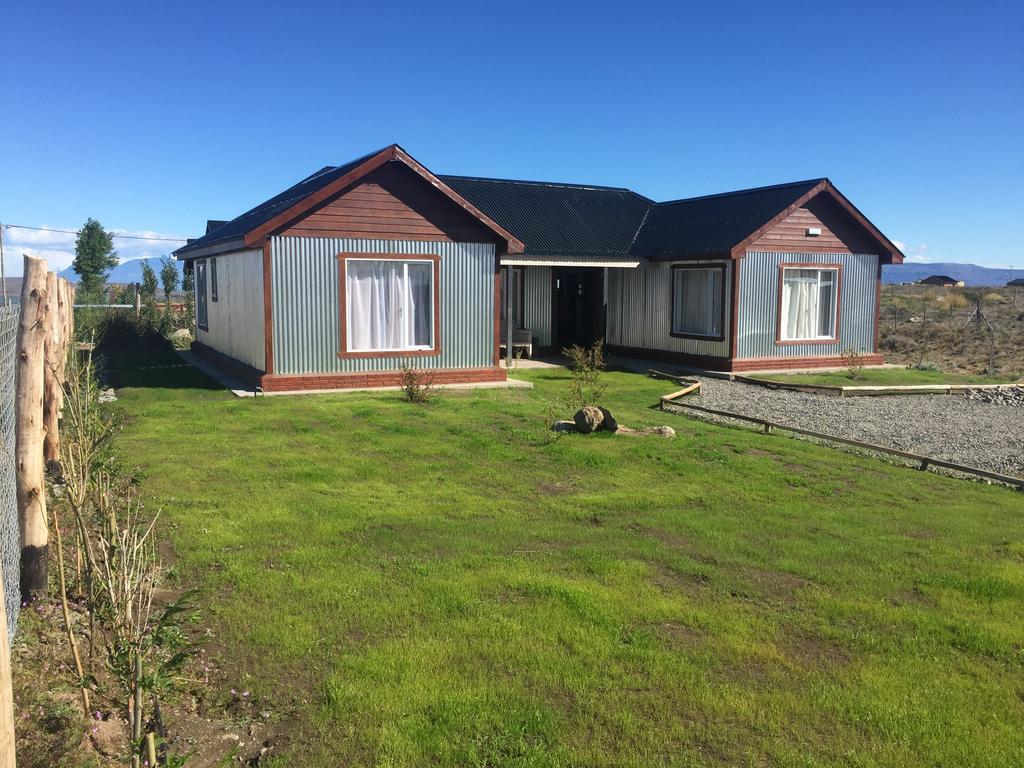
x=394, y=152
x=721, y=303
x=277, y=382
x=878, y=306
x=748, y=364
x=497, y=309
x=268, y=312
x=788, y=363
x=734, y=332
x=779, y=341
x=894, y=253
x=289, y=382
x=342, y=304
x=514, y=245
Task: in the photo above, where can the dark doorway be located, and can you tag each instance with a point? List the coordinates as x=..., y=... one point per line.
x=578, y=300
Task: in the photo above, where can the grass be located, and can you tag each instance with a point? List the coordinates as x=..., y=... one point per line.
x=881, y=377
x=448, y=585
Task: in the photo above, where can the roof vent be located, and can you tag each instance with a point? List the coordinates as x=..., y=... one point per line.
x=814, y=231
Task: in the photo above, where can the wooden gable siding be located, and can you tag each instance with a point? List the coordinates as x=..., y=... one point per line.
x=391, y=203
x=840, y=233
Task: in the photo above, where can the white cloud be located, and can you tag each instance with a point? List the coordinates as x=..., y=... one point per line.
x=58, y=248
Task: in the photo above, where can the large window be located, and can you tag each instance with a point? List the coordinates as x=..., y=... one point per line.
x=202, y=317
x=389, y=305
x=698, y=301
x=809, y=302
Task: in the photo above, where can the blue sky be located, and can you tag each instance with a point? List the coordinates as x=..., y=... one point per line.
x=153, y=117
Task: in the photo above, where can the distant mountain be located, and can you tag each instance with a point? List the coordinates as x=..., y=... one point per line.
x=971, y=274
x=128, y=271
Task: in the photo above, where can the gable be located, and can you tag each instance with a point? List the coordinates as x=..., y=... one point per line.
x=391, y=203
x=840, y=232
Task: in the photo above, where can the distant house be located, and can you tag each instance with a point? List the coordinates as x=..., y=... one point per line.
x=1017, y=283
x=942, y=281
x=362, y=268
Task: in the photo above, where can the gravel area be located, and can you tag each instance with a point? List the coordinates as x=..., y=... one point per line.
x=965, y=429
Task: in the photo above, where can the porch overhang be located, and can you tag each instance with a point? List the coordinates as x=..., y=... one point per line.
x=532, y=260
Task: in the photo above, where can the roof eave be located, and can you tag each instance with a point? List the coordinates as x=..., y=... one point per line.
x=258, y=235
x=214, y=249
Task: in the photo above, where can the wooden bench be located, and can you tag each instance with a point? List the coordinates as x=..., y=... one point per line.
x=521, y=339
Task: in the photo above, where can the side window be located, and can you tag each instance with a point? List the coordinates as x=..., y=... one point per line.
x=202, y=318
x=213, y=278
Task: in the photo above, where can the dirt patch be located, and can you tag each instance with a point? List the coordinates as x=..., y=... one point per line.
x=770, y=586
x=805, y=650
x=557, y=487
x=681, y=636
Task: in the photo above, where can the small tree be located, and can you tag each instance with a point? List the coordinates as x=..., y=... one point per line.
x=168, y=276
x=148, y=294
x=169, y=282
x=587, y=364
x=94, y=256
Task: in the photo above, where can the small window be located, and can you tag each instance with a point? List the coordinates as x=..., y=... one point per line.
x=698, y=302
x=202, y=318
x=809, y=304
x=390, y=305
x=213, y=278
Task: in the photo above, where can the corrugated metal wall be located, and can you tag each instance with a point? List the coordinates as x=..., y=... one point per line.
x=537, y=304
x=759, y=287
x=640, y=310
x=304, y=276
x=235, y=320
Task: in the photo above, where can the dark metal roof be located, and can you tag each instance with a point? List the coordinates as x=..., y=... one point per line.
x=563, y=219
x=713, y=224
x=569, y=219
x=212, y=224
x=264, y=212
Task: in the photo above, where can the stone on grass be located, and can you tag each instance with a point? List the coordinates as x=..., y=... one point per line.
x=608, y=423
x=588, y=419
x=563, y=426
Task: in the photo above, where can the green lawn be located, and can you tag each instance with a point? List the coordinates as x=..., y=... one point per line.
x=449, y=586
x=882, y=377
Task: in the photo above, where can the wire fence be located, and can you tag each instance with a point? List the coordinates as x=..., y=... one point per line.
x=10, y=546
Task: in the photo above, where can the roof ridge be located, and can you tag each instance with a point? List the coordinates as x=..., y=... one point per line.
x=541, y=183
x=749, y=190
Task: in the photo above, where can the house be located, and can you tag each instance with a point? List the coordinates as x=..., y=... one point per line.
x=1016, y=283
x=942, y=281
x=360, y=269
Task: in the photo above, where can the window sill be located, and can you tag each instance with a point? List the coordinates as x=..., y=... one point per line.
x=391, y=353
x=798, y=342
x=696, y=336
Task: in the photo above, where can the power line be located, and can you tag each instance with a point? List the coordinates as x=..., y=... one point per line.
x=75, y=232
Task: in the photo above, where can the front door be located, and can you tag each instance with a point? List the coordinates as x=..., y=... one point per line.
x=577, y=310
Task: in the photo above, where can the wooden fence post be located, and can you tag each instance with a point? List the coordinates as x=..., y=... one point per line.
x=51, y=384
x=138, y=303
x=6, y=687
x=29, y=430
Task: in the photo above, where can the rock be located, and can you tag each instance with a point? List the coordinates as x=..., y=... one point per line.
x=107, y=396
x=109, y=737
x=563, y=426
x=181, y=333
x=588, y=419
x=609, y=423
x=663, y=431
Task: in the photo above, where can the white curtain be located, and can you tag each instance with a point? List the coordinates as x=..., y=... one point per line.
x=388, y=304
x=800, y=304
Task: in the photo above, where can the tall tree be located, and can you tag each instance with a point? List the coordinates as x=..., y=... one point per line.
x=168, y=276
x=94, y=256
x=147, y=292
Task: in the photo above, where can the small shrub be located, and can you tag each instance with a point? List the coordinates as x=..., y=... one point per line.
x=417, y=386
x=587, y=364
x=896, y=342
x=995, y=298
x=951, y=300
x=927, y=365
x=853, y=361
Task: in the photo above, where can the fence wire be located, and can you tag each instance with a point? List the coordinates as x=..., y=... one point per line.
x=10, y=546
